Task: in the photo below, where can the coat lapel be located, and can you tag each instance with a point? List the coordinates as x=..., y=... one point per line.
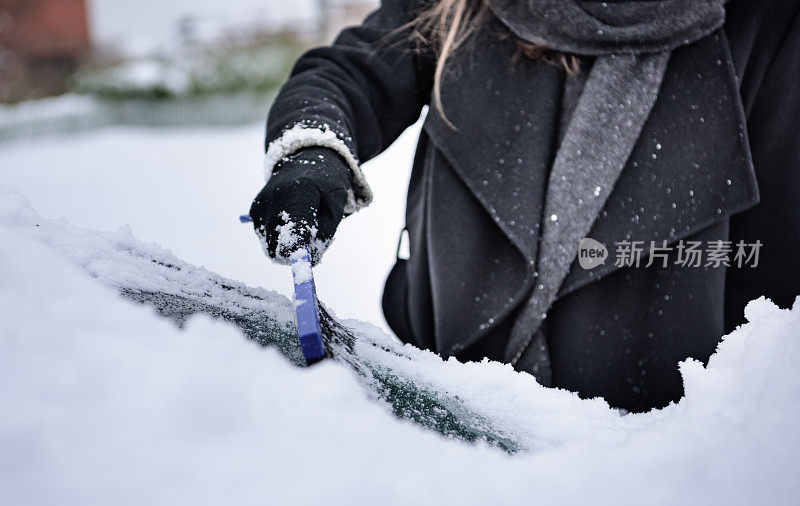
x=691, y=166
x=615, y=102
x=504, y=111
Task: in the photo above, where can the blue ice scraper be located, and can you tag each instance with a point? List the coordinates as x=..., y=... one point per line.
x=309, y=329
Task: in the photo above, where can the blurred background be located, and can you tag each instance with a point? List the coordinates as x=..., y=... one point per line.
x=150, y=114
x=166, y=62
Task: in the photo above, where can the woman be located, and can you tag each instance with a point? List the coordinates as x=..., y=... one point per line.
x=664, y=130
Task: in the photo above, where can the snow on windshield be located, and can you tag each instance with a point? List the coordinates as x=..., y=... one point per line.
x=104, y=402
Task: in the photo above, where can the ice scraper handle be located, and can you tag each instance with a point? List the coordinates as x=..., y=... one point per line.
x=309, y=330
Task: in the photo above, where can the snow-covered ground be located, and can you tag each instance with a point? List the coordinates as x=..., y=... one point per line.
x=185, y=188
x=101, y=402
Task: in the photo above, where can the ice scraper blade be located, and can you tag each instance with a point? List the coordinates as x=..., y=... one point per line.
x=309, y=329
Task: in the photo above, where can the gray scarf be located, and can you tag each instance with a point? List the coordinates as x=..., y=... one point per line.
x=632, y=41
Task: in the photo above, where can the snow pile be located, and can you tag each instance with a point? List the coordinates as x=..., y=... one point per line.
x=102, y=403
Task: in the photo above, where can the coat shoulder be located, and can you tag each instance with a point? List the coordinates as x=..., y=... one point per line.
x=758, y=32
x=760, y=8
x=759, y=18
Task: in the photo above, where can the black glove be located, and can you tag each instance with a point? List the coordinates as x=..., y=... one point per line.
x=302, y=203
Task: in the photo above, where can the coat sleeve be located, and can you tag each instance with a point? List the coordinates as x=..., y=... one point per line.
x=355, y=96
x=773, y=124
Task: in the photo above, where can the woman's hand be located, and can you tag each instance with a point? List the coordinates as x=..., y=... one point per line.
x=302, y=204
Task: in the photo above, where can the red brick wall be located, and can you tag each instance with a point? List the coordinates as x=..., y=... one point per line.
x=43, y=29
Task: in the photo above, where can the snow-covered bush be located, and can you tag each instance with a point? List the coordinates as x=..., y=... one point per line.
x=253, y=63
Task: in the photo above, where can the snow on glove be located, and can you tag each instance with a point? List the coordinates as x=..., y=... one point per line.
x=302, y=204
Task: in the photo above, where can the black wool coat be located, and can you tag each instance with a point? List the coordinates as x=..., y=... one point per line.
x=718, y=160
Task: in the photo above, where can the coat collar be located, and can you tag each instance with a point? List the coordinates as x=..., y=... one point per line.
x=508, y=111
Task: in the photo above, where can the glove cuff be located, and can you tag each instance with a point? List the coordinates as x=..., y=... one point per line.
x=302, y=136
